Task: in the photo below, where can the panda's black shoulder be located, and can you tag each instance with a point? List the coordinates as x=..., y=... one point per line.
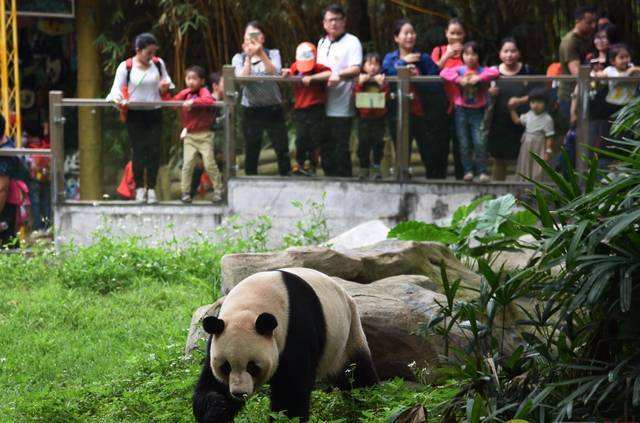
x=306, y=333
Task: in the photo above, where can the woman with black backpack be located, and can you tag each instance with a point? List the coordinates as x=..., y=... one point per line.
x=142, y=78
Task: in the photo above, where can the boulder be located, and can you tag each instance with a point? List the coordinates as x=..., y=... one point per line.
x=365, y=234
x=196, y=333
x=391, y=310
x=363, y=265
x=236, y=267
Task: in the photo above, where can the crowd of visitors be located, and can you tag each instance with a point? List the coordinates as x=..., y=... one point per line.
x=474, y=114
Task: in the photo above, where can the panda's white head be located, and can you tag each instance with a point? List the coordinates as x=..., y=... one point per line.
x=244, y=354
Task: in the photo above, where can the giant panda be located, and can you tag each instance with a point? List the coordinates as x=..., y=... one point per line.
x=286, y=328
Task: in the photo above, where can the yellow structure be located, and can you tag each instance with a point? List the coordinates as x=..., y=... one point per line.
x=9, y=68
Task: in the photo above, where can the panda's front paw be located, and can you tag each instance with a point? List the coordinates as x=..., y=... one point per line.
x=221, y=409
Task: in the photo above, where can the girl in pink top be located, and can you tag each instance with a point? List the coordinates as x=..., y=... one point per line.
x=470, y=99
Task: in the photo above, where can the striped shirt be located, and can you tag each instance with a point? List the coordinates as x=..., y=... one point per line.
x=259, y=94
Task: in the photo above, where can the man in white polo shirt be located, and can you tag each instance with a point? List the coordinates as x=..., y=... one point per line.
x=342, y=53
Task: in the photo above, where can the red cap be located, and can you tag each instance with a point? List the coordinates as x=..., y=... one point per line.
x=305, y=57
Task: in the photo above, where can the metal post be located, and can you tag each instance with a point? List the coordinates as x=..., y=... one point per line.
x=402, y=129
x=230, y=96
x=582, y=129
x=56, y=133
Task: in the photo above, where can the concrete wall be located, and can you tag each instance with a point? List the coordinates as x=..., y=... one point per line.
x=78, y=221
x=347, y=204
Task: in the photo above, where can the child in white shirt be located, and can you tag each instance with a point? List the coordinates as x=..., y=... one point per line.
x=537, y=137
x=620, y=92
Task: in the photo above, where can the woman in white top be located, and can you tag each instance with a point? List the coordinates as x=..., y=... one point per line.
x=141, y=78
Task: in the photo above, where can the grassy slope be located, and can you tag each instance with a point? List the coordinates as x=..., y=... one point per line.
x=98, y=336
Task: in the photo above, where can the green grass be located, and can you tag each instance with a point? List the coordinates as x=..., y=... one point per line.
x=97, y=334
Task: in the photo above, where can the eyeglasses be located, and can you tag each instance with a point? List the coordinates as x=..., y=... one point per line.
x=334, y=20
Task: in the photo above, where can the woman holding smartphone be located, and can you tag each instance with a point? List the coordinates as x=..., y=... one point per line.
x=261, y=102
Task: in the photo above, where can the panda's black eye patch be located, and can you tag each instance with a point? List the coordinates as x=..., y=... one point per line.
x=253, y=369
x=225, y=369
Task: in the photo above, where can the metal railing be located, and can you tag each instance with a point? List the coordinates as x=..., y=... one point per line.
x=57, y=119
x=402, y=94
x=232, y=84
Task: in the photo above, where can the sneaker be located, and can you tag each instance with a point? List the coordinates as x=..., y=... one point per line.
x=468, y=177
x=140, y=195
x=297, y=171
x=364, y=173
x=217, y=197
x=186, y=198
x=484, y=178
x=151, y=196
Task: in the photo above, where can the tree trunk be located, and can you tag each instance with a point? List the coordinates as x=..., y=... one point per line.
x=89, y=83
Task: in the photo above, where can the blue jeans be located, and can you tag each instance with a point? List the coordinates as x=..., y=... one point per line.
x=469, y=130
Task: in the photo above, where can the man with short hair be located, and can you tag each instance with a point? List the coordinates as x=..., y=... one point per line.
x=573, y=51
x=342, y=53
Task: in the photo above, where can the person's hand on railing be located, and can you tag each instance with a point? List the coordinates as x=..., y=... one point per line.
x=306, y=80
x=285, y=72
x=379, y=78
x=187, y=104
x=333, y=80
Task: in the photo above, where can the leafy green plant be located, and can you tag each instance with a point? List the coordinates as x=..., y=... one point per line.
x=471, y=233
x=578, y=357
x=247, y=235
x=312, y=230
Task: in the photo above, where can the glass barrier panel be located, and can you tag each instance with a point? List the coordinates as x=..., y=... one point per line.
x=302, y=136
x=147, y=149
x=484, y=132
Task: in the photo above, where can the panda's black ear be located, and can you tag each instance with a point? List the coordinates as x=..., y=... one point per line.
x=212, y=325
x=265, y=324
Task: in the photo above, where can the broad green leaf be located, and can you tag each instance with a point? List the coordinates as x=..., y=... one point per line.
x=494, y=213
x=421, y=231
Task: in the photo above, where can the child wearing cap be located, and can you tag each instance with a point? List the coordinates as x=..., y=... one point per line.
x=309, y=111
x=371, y=122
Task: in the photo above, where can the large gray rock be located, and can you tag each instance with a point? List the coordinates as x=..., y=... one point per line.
x=196, y=333
x=363, y=265
x=391, y=310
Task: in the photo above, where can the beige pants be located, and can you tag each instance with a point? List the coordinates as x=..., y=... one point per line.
x=199, y=142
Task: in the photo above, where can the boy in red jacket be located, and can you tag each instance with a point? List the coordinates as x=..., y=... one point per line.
x=197, y=120
x=309, y=106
